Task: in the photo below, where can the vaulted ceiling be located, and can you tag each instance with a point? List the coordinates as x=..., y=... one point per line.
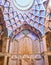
x=33, y=13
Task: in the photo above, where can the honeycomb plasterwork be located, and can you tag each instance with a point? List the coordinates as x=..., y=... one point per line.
x=14, y=18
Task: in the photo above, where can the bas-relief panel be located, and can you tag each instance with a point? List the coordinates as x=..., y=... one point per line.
x=12, y=61
x=25, y=61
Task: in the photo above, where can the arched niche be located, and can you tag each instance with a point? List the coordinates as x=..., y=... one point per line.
x=26, y=49
x=25, y=40
x=27, y=33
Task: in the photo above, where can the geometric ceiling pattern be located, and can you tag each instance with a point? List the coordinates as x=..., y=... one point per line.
x=33, y=15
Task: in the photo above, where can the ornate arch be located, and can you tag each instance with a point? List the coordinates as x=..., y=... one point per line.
x=26, y=27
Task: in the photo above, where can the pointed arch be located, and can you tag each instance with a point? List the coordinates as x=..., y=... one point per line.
x=26, y=27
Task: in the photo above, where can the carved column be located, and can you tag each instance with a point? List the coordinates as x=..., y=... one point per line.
x=44, y=44
x=7, y=47
x=5, y=60
x=45, y=50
